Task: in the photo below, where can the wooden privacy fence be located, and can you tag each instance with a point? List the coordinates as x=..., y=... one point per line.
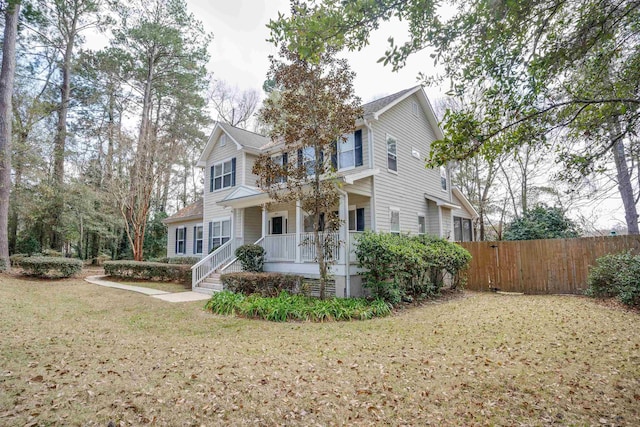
x=553, y=266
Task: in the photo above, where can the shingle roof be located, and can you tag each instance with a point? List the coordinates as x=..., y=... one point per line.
x=379, y=104
x=191, y=211
x=244, y=137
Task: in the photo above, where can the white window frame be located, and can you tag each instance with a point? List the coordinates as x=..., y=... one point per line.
x=182, y=240
x=351, y=138
x=222, y=237
x=223, y=140
x=414, y=108
x=444, y=181
x=393, y=211
x=424, y=223
x=230, y=174
x=309, y=160
x=390, y=154
x=199, y=227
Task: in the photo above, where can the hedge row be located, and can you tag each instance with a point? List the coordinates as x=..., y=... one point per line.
x=149, y=271
x=265, y=284
x=50, y=266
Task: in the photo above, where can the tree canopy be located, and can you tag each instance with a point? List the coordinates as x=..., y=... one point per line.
x=543, y=72
x=542, y=222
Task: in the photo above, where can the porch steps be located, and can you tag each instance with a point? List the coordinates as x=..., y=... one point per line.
x=210, y=285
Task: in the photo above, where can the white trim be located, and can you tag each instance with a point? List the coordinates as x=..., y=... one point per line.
x=243, y=181
x=424, y=217
x=414, y=108
x=211, y=176
x=285, y=224
x=195, y=239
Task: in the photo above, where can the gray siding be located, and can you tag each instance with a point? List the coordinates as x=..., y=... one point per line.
x=211, y=209
x=405, y=189
x=462, y=212
x=250, y=178
x=171, y=238
x=252, y=224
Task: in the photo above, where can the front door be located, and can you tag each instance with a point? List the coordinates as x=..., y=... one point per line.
x=277, y=225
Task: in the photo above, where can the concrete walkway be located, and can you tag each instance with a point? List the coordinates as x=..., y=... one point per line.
x=164, y=296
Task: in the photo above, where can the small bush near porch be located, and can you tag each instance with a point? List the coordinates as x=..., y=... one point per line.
x=289, y=307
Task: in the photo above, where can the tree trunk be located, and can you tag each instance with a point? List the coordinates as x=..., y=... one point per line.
x=59, y=143
x=624, y=186
x=7, y=77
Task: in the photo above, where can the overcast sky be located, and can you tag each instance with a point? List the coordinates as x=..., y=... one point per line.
x=239, y=51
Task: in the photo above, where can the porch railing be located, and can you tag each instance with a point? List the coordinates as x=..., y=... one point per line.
x=280, y=247
x=308, y=246
x=211, y=263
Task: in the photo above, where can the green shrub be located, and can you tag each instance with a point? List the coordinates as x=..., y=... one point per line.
x=50, y=266
x=399, y=266
x=183, y=260
x=16, y=259
x=616, y=275
x=265, y=284
x=287, y=307
x=251, y=257
x=28, y=245
x=149, y=271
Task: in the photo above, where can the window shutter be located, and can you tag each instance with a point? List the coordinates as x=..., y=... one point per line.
x=300, y=158
x=320, y=164
x=211, y=180
x=210, y=236
x=233, y=172
x=358, y=146
x=195, y=237
x=176, y=242
x=360, y=219
x=334, y=155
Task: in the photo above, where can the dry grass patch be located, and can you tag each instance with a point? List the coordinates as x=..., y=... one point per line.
x=161, y=286
x=73, y=353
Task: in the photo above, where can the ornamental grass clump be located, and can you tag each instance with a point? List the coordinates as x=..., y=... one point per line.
x=290, y=307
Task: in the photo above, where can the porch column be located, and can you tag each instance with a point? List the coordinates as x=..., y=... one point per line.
x=343, y=232
x=299, y=226
x=264, y=221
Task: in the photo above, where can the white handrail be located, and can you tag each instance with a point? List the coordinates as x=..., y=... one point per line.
x=211, y=263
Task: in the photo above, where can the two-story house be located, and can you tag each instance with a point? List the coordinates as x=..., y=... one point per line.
x=385, y=187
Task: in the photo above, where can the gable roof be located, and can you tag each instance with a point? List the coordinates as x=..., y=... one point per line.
x=243, y=139
x=374, y=109
x=189, y=212
x=380, y=104
x=257, y=144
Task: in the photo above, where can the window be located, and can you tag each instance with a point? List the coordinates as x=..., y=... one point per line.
x=197, y=239
x=462, y=229
x=219, y=233
x=223, y=175
x=443, y=178
x=392, y=153
x=422, y=224
x=223, y=140
x=356, y=219
x=308, y=155
x=282, y=161
x=395, y=221
x=308, y=223
x=414, y=108
x=181, y=240
x=349, y=151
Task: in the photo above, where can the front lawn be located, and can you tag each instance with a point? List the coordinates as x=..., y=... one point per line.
x=74, y=353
